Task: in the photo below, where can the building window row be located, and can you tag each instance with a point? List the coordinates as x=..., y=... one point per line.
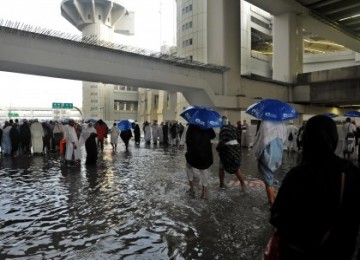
x=93, y=86
x=93, y=101
x=125, y=88
x=187, y=26
x=187, y=9
x=187, y=42
x=93, y=94
x=121, y=105
x=93, y=108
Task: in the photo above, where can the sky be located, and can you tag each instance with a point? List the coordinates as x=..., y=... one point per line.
x=154, y=25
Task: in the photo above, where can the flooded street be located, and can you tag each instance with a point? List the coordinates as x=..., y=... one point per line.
x=132, y=205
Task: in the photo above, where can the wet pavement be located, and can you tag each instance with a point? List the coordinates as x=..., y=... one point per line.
x=132, y=205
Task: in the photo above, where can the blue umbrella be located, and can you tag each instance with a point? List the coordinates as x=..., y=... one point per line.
x=202, y=116
x=272, y=110
x=352, y=114
x=125, y=124
x=93, y=121
x=331, y=115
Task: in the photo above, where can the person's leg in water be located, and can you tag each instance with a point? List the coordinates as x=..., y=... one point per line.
x=204, y=181
x=239, y=174
x=221, y=177
x=190, y=176
x=270, y=191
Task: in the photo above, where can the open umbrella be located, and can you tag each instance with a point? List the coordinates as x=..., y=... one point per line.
x=125, y=124
x=204, y=117
x=272, y=110
x=353, y=113
x=331, y=115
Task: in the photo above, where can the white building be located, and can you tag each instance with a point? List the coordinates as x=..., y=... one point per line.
x=100, y=19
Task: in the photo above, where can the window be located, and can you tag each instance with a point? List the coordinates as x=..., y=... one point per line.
x=93, y=86
x=99, y=17
x=89, y=16
x=187, y=9
x=93, y=93
x=120, y=105
x=93, y=101
x=93, y=108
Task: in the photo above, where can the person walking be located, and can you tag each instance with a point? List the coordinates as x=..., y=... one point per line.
x=147, y=133
x=230, y=153
x=199, y=156
x=72, y=144
x=114, y=136
x=37, y=134
x=102, y=132
x=137, y=133
x=58, y=134
x=89, y=136
x=268, y=150
x=292, y=132
x=349, y=130
x=316, y=212
x=126, y=136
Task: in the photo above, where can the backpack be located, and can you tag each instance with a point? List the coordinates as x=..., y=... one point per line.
x=291, y=137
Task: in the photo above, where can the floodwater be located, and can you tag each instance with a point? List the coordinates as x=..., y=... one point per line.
x=132, y=205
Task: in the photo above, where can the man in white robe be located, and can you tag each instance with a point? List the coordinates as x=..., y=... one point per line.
x=37, y=134
x=72, y=143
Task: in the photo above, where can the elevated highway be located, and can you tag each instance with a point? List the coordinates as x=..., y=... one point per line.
x=52, y=54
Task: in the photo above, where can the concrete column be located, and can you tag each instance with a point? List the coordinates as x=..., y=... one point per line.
x=223, y=37
x=288, y=48
x=245, y=55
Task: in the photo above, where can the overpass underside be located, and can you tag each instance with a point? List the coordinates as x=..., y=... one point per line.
x=335, y=87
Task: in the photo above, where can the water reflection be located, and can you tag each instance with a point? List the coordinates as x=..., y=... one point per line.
x=132, y=205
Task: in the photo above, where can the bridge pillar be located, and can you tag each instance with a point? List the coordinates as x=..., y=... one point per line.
x=288, y=48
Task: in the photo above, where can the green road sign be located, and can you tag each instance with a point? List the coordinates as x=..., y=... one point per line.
x=62, y=105
x=11, y=114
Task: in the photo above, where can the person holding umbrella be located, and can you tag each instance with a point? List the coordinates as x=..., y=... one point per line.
x=270, y=138
x=198, y=144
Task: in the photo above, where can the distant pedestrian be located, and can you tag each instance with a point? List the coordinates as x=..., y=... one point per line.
x=89, y=136
x=199, y=156
x=126, y=136
x=147, y=132
x=15, y=139
x=114, y=136
x=268, y=150
x=317, y=209
x=25, y=137
x=292, y=132
x=73, y=152
x=245, y=135
x=102, y=131
x=6, y=141
x=165, y=130
x=137, y=133
x=299, y=137
x=155, y=132
x=37, y=134
x=349, y=130
x=58, y=134
x=230, y=153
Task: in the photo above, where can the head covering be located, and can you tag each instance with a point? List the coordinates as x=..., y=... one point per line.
x=320, y=138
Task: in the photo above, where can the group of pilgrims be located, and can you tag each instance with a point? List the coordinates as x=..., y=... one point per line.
x=67, y=137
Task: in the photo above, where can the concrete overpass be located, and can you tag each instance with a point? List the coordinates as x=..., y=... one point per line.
x=53, y=54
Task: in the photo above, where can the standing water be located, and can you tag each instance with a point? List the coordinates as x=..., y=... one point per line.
x=131, y=205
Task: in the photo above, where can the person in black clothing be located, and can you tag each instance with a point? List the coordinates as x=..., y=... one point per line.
x=136, y=128
x=299, y=137
x=199, y=156
x=316, y=212
x=165, y=130
x=15, y=139
x=25, y=137
x=46, y=138
x=125, y=136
